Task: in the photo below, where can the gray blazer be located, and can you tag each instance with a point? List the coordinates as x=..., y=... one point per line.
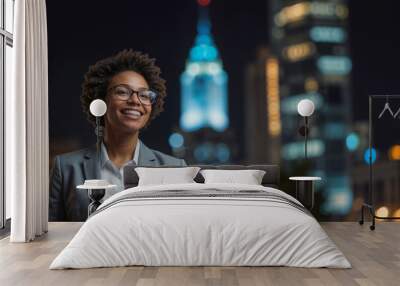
x=66, y=203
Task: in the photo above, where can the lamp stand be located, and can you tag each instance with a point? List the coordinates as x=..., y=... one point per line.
x=305, y=136
x=99, y=135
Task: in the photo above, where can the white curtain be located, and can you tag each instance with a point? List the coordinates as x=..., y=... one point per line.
x=27, y=147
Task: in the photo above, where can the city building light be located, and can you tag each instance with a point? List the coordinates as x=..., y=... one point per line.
x=339, y=196
x=203, y=52
x=198, y=68
x=176, y=140
x=203, y=152
x=295, y=150
x=299, y=11
x=192, y=118
x=217, y=119
x=193, y=69
x=272, y=93
x=342, y=11
x=311, y=84
x=342, y=200
x=292, y=13
x=373, y=155
x=394, y=152
x=203, y=2
x=382, y=212
x=334, y=130
x=214, y=68
x=222, y=152
x=298, y=52
x=352, y=141
x=328, y=34
x=334, y=65
x=339, y=201
x=329, y=10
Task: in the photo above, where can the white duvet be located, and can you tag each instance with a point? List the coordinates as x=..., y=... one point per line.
x=200, y=231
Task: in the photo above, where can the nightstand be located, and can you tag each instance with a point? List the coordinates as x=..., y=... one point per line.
x=96, y=190
x=305, y=190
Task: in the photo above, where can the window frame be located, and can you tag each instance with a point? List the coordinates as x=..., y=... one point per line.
x=6, y=39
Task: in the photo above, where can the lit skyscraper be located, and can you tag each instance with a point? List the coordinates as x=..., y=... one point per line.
x=204, y=135
x=204, y=101
x=262, y=111
x=311, y=39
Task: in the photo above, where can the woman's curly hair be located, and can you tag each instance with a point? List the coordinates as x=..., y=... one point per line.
x=99, y=75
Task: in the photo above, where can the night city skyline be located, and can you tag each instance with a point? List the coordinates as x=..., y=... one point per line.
x=99, y=30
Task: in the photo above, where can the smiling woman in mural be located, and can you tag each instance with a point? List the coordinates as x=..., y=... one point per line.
x=134, y=92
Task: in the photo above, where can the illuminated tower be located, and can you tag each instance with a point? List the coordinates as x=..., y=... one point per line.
x=204, y=101
x=204, y=135
x=262, y=111
x=311, y=39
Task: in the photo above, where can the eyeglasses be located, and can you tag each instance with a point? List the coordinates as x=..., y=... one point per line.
x=124, y=92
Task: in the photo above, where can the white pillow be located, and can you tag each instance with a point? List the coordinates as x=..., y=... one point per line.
x=162, y=176
x=248, y=177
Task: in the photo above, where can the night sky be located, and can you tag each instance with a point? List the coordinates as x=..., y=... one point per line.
x=82, y=32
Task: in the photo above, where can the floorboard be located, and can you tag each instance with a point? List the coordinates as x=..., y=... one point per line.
x=374, y=255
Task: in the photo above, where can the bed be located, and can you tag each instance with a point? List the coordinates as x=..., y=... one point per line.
x=201, y=224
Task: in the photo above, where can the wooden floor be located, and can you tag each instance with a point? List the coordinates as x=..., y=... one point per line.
x=374, y=255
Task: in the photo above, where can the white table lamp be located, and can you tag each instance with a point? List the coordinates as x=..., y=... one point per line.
x=305, y=108
x=98, y=108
